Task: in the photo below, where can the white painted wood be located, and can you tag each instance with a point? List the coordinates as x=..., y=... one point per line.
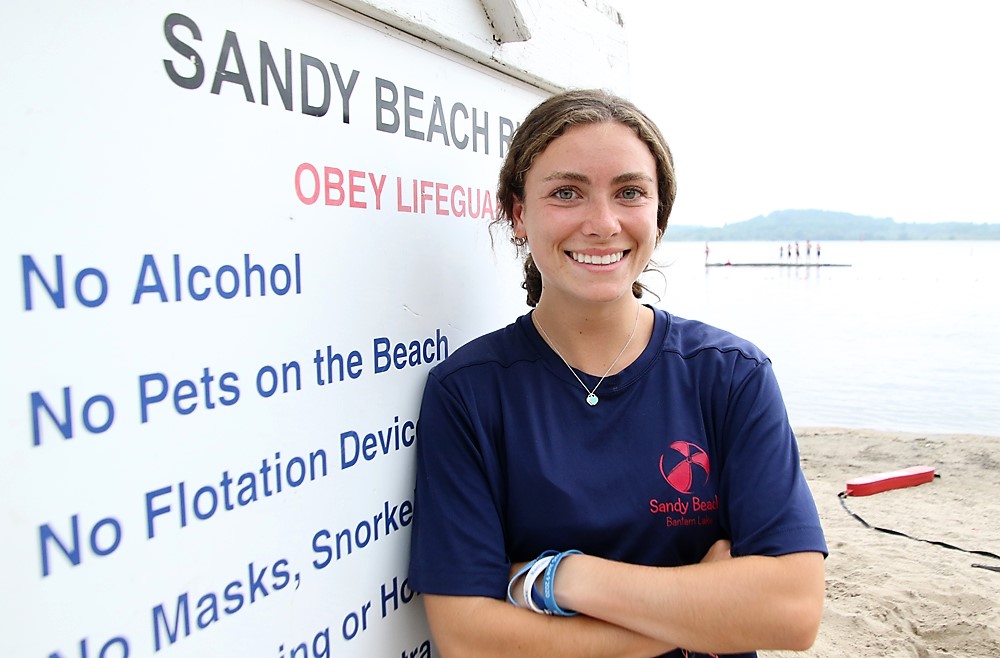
x=571, y=43
x=508, y=20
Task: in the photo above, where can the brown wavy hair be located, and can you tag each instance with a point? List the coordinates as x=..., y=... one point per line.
x=549, y=120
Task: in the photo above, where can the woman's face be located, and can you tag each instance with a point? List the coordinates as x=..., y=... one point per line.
x=589, y=213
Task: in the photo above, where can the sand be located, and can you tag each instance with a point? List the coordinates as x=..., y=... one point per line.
x=889, y=596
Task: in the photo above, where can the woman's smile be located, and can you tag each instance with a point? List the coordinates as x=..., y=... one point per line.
x=597, y=259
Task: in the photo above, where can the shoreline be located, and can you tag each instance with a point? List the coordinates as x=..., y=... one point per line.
x=888, y=595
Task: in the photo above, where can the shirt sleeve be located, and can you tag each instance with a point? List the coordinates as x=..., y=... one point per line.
x=769, y=508
x=457, y=543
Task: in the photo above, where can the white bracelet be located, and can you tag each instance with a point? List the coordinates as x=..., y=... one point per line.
x=537, y=569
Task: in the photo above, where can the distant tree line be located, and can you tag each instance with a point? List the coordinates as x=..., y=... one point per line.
x=829, y=225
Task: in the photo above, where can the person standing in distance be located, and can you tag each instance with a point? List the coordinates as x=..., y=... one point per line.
x=600, y=477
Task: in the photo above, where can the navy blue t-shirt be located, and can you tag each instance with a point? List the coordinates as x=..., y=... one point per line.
x=688, y=444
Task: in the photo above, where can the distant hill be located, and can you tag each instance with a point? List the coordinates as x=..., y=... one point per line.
x=827, y=225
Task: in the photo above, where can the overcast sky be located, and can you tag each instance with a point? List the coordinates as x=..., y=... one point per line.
x=888, y=108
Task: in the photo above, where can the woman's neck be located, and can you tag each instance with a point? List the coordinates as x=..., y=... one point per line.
x=590, y=338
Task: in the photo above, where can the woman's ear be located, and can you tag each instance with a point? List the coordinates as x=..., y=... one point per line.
x=517, y=220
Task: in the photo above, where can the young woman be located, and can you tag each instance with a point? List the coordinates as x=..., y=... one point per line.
x=629, y=473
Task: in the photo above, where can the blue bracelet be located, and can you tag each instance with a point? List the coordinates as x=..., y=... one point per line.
x=545, y=601
x=535, y=603
x=548, y=586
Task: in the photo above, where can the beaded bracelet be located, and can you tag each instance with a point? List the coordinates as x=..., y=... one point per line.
x=544, y=565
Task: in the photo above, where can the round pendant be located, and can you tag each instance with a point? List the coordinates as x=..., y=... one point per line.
x=592, y=399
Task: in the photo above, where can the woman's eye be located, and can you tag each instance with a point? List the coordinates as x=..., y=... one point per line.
x=565, y=194
x=632, y=194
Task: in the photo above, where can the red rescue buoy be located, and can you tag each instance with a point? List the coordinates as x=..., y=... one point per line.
x=873, y=484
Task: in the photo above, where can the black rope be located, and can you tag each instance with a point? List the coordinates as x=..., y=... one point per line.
x=987, y=566
x=843, y=502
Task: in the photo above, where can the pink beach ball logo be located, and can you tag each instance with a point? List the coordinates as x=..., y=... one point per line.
x=683, y=464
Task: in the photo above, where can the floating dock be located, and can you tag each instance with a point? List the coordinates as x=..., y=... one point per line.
x=777, y=264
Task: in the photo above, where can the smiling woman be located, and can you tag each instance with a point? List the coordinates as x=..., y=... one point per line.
x=539, y=497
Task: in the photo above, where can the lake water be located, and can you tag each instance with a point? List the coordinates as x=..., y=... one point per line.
x=907, y=338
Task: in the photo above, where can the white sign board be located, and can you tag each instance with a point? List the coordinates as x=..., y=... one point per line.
x=236, y=236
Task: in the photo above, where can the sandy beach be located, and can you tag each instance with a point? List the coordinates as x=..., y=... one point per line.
x=890, y=596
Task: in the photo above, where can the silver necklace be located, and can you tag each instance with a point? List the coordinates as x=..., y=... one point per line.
x=592, y=398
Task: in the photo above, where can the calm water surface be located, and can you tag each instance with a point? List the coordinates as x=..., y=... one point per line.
x=907, y=338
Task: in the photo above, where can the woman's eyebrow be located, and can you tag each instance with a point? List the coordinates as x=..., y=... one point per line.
x=632, y=176
x=582, y=178
x=567, y=175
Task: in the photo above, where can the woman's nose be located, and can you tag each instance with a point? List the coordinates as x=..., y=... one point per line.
x=602, y=219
